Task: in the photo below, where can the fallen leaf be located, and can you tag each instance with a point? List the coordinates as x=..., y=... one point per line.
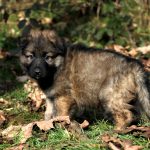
x=4, y=101
x=133, y=52
x=42, y=125
x=84, y=124
x=2, y=118
x=11, y=131
x=26, y=130
x=36, y=96
x=128, y=145
x=118, y=48
x=45, y=125
x=144, y=49
x=112, y=146
x=137, y=131
x=118, y=144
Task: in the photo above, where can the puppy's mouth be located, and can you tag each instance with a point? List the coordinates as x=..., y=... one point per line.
x=37, y=77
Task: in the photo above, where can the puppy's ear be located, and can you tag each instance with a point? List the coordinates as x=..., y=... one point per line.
x=23, y=42
x=59, y=43
x=62, y=45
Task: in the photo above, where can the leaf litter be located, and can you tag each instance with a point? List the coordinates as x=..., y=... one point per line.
x=137, y=131
x=26, y=130
x=133, y=52
x=117, y=144
x=35, y=95
x=2, y=118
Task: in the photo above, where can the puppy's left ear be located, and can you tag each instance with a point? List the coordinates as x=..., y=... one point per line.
x=59, y=43
x=62, y=44
x=23, y=42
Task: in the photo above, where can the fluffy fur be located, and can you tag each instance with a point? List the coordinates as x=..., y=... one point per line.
x=83, y=82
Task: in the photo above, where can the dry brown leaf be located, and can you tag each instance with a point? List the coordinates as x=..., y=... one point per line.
x=35, y=95
x=26, y=130
x=2, y=118
x=117, y=144
x=30, y=85
x=42, y=125
x=128, y=145
x=133, y=52
x=144, y=49
x=11, y=131
x=45, y=125
x=118, y=48
x=112, y=146
x=65, y=119
x=4, y=101
x=84, y=124
x=137, y=131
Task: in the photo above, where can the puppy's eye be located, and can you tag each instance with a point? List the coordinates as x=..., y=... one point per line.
x=48, y=58
x=29, y=56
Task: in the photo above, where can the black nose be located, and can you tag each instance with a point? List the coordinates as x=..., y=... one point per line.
x=37, y=71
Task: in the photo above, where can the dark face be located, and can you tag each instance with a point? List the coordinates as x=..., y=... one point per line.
x=41, y=55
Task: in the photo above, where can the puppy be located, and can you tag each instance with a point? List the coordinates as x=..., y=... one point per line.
x=81, y=81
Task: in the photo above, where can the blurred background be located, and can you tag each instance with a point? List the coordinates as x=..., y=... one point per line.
x=93, y=22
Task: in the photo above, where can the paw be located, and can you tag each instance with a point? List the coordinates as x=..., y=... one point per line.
x=119, y=129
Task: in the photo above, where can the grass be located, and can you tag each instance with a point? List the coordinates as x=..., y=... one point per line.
x=18, y=112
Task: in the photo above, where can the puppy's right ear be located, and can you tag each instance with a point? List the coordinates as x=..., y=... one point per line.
x=23, y=42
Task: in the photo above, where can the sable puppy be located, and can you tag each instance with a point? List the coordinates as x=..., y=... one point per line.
x=79, y=80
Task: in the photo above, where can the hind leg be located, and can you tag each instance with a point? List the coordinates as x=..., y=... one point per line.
x=121, y=110
x=118, y=97
x=122, y=118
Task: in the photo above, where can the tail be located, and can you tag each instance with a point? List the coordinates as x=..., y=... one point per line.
x=143, y=91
